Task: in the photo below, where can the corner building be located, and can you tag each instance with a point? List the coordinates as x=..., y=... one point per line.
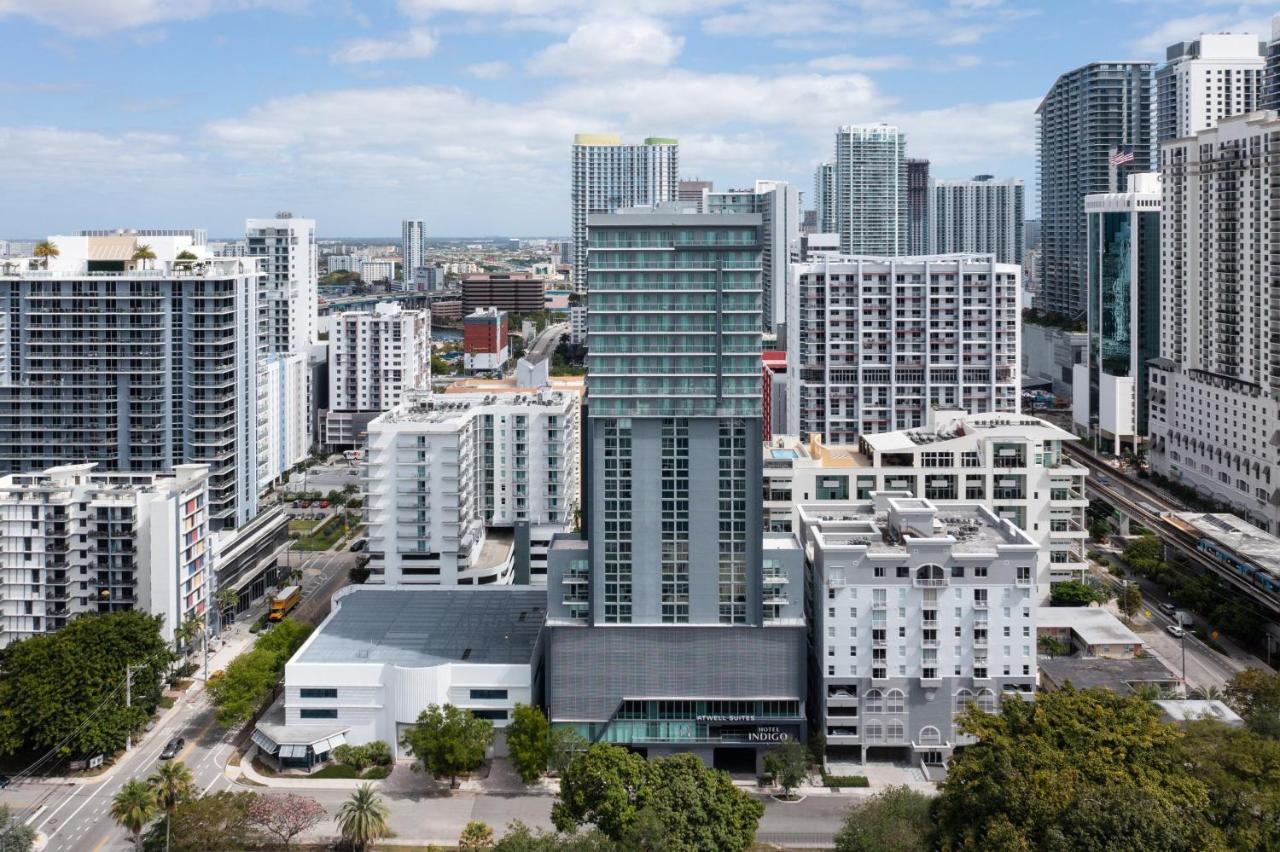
x=673, y=623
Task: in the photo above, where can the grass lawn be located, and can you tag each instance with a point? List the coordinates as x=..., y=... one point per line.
x=327, y=535
x=301, y=526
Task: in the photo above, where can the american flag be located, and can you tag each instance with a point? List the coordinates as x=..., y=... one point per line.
x=1122, y=155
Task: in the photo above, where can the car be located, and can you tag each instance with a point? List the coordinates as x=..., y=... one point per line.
x=1168, y=608
x=1175, y=631
x=360, y=545
x=1103, y=480
x=172, y=748
x=5, y=781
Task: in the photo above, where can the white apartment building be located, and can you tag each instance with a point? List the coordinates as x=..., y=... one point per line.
x=871, y=190
x=984, y=215
x=874, y=343
x=343, y=263
x=139, y=365
x=608, y=175
x=918, y=611
x=284, y=415
x=377, y=270
x=1011, y=463
x=289, y=296
x=1214, y=391
x=74, y=540
x=1201, y=81
x=469, y=488
x=778, y=204
x=578, y=324
x=413, y=245
x=375, y=358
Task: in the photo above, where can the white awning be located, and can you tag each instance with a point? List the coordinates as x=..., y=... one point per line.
x=329, y=744
x=264, y=742
x=288, y=751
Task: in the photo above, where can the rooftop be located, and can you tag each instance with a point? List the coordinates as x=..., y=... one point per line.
x=422, y=627
x=1094, y=625
x=452, y=408
x=1243, y=538
x=1190, y=709
x=1120, y=676
x=888, y=523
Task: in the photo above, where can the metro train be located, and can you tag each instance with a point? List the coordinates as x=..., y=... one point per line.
x=1265, y=579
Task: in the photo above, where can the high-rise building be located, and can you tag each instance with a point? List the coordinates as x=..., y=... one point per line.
x=1215, y=389
x=377, y=270
x=778, y=204
x=1011, y=463
x=376, y=358
x=289, y=295
x=608, y=176
x=284, y=415
x=917, y=207
x=470, y=488
x=871, y=190
x=159, y=368
x=1109, y=398
x=74, y=540
x=673, y=624
x=1271, y=75
x=876, y=342
x=1201, y=81
x=919, y=611
x=413, y=246
x=981, y=216
x=824, y=198
x=1090, y=114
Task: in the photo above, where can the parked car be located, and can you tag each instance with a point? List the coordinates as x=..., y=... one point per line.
x=359, y=545
x=172, y=748
x=1175, y=631
x=1168, y=608
x=4, y=781
x=324, y=504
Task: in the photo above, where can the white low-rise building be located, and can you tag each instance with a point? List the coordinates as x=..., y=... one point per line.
x=918, y=611
x=74, y=540
x=373, y=271
x=384, y=654
x=470, y=488
x=1011, y=463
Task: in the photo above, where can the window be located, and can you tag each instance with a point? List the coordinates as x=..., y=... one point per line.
x=493, y=715
x=488, y=695
x=987, y=701
x=871, y=702
x=875, y=732
x=319, y=693
x=929, y=735
x=317, y=713
x=963, y=697
x=896, y=732
x=894, y=701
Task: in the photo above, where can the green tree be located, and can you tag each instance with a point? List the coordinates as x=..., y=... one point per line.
x=789, y=765
x=1255, y=695
x=15, y=834
x=521, y=838
x=173, y=785
x=564, y=745
x=648, y=833
x=134, y=807
x=362, y=818
x=1074, y=593
x=285, y=816
x=213, y=823
x=65, y=690
x=603, y=787
x=698, y=809
x=44, y=250
x=1029, y=781
x=143, y=253
x=894, y=820
x=1129, y=599
x=529, y=742
x=1241, y=771
x=247, y=682
x=448, y=741
x=476, y=837
x=186, y=632
x=1052, y=646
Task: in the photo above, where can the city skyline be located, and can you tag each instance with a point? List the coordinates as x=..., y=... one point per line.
x=430, y=107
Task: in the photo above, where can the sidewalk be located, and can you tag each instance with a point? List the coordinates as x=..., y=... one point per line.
x=295, y=782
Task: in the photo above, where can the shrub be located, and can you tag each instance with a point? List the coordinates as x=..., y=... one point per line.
x=837, y=781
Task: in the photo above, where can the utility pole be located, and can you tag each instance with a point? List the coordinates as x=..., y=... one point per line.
x=128, y=699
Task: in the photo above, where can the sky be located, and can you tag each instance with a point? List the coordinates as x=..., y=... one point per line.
x=201, y=113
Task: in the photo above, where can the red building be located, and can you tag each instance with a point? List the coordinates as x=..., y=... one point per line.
x=484, y=340
x=774, y=364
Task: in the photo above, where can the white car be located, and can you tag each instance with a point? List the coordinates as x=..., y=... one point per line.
x=1175, y=631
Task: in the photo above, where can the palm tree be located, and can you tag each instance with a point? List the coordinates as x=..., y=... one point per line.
x=363, y=818
x=144, y=253
x=171, y=783
x=1208, y=693
x=133, y=807
x=185, y=632
x=46, y=249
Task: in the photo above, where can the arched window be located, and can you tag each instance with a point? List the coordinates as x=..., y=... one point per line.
x=929, y=736
x=986, y=701
x=963, y=697
x=874, y=732
x=930, y=576
x=896, y=733
x=894, y=701
x=871, y=702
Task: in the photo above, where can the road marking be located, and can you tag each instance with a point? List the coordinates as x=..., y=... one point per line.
x=101, y=843
x=199, y=736
x=39, y=811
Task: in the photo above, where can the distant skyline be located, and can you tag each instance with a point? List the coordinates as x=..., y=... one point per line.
x=201, y=113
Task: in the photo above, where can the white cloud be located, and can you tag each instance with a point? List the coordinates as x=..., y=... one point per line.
x=99, y=17
x=415, y=44
x=43, y=157
x=533, y=9
x=609, y=43
x=964, y=35
x=984, y=135
x=489, y=70
x=847, y=62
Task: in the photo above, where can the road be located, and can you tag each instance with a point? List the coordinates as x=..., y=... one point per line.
x=546, y=342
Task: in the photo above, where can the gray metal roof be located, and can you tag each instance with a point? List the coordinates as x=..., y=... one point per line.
x=431, y=626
